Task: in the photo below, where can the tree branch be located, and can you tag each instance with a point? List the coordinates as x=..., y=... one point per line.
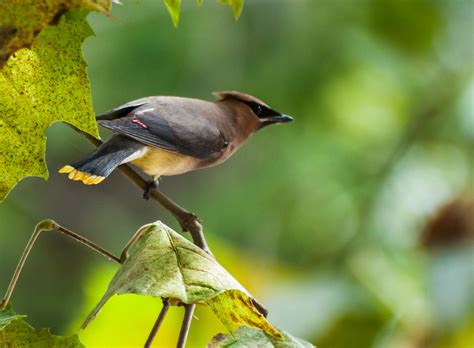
x=188, y=221
x=158, y=322
x=188, y=316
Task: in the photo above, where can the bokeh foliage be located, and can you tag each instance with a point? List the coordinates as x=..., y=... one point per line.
x=321, y=219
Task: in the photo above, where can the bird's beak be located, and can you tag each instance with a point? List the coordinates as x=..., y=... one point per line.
x=281, y=118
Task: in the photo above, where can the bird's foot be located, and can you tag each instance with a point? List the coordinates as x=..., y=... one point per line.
x=152, y=184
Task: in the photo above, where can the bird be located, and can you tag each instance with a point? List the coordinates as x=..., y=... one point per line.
x=166, y=135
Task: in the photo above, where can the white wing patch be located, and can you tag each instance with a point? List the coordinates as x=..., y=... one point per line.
x=136, y=155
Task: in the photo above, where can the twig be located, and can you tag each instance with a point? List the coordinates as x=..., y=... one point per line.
x=188, y=221
x=158, y=322
x=188, y=316
x=49, y=225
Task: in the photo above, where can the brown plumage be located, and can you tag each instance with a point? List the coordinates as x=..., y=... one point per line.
x=173, y=135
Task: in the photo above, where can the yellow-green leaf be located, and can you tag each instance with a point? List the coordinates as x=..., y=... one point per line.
x=248, y=337
x=234, y=308
x=236, y=6
x=39, y=86
x=22, y=20
x=15, y=332
x=162, y=263
x=174, y=7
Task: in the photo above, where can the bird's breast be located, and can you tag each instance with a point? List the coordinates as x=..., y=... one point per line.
x=220, y=157
x=157, y=162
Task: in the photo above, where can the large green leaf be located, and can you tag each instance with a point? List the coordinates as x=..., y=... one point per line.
x=162, y=263
x=39, y=86
x=248, y=337
x=15, y=332
x=22, y=20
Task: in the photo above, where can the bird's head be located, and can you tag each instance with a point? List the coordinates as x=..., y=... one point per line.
x=255, y=108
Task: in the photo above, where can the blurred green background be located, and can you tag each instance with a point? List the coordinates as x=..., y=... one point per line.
x=353, y=225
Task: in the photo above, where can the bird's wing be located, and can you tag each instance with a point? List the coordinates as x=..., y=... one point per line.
x=124, y=109
x=177, y=130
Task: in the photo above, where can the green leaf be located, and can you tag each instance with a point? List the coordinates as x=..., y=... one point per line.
x=15, y=332
x=174, y=7
x=162, y=263
x=248, y=337
x=42, y=85
x=7, y=316
x=236, y=6
x=22, y=20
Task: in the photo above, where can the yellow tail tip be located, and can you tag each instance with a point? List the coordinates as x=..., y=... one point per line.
x=66, y=169
x=77, y=175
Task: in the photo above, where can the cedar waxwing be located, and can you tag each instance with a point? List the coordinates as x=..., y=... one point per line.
x=172, y=135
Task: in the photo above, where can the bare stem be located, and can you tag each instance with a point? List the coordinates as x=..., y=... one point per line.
x=97, y=248
x=158, y=322
x=49, y=225
x=188, y=316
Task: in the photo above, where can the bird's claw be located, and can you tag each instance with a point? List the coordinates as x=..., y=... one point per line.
x=153, y=184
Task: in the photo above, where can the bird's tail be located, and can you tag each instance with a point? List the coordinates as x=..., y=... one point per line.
x=98, y=165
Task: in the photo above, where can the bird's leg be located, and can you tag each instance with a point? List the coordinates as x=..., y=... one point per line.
x=151, y=185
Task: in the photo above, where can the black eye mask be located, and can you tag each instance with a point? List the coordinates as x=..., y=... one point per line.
x=260, y=110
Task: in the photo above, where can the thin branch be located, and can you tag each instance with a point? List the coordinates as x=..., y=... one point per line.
x=188, y=221
x=188, y=316
x=97, y=248
x=158, y=322
x=49, y=225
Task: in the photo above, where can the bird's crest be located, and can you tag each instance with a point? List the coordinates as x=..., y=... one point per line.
x=238, y=96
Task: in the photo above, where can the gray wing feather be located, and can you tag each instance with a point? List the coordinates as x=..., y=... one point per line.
x=191, y=136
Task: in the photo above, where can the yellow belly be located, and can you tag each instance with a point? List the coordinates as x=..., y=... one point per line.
x=157, y=162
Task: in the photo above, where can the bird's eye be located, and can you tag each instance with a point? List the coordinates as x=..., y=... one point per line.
x=258, y=109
